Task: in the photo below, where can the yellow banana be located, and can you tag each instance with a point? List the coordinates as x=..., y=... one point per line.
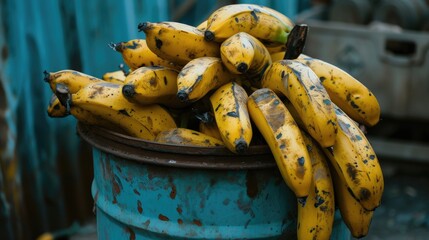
x=74, y=80
x=200, y=76
x=136, y=53
x=242, y=53
x=105, y=100
x=232, y=118
x=177, y=42
x=277, y=56
x=56, y=109
x=187, y=137
x=311, y=101
x=316, y=215
x=263, y=23
x=345, y=91
x=284, y=138
x=354, y=159
x=117, y=77
x=356, y=218
x=202, y=26
x=149, y=85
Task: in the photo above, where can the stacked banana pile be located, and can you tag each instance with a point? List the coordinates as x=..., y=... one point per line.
x=227, y=83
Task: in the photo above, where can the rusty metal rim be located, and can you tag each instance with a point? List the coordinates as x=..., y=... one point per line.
x=173, y=155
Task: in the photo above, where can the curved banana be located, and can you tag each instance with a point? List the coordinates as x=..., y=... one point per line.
x=316, y=215
x=136, y=53
x=345, y=91
x=284, y=138
x=354, y=159
x=202, y=26
x=263, y=23
x=105, y=100
x=149, y=85
x=177, y=42
x=200, y=76
x=117, y=77
x=187, y=137
x=56, y=109
x=356, y=218
x=242, y=53
x=72, y=79
x=311, y=101
x=232, y=118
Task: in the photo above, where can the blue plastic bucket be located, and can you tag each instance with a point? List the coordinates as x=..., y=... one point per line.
x=146, y=190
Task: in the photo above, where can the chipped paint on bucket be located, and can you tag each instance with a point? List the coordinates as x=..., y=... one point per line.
x=146, y=190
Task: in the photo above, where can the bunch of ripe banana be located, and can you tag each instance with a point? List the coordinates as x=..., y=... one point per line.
x=209, y=85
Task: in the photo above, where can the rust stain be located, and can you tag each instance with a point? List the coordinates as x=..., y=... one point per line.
x=114, y=201
x=173, y=188
x=131, y=232
x=179, y=210
x=197, y=222
x=139, y=206
x=179, y=221
x=163, y=217
x=252, y=184
x=136, y=192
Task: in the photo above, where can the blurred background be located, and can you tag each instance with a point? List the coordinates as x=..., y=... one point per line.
x=46, y=170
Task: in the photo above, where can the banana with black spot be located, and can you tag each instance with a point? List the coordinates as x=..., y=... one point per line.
x=155, y=84
x=316, y=214
x=200, y=76
x=177, y=42
x=302, y=87
x=232, y=118
x=243, y=53
x=105, y=100
x=56, y=109
x=356, y=162
x=284, y=138
x=72, y=79
x=117, y=77
x=136, y=53
x=187, y=137
x=346, y=92
x=264, y=23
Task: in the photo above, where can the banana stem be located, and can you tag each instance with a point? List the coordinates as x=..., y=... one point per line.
x=296, y=41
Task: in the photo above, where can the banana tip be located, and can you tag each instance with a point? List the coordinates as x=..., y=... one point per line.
x=209, y=35
x=116, y=46
x=182, y=96
x=241, y=147
x=143, y=26
x=128, y=90
x=47, y=77
x=242, y=67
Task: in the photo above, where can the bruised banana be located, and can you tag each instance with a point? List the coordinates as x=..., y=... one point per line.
x=232, y=118
x=284, y=138
x=105, y=100
x=200, y=76
x=149, y=85
x=187, y=137
x=72, y=79
x=356, y=218
x=208, y=126
x=242, y=53
x=355, y=161
x=316, y=215
x=346, y=92
x=263, y=23
x=311, y=101
x=117, y=77
x=177, y=42
x=136, y=53
x=56, y=109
